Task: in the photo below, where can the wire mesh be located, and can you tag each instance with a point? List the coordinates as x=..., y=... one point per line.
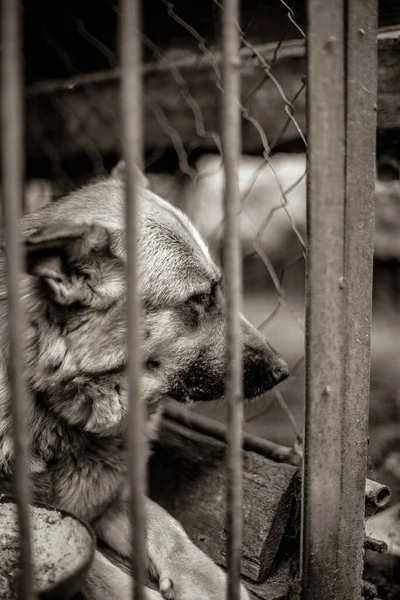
x=79, y=139
x=74, y=131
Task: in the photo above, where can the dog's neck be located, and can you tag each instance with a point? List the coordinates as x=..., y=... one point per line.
x=62, y=402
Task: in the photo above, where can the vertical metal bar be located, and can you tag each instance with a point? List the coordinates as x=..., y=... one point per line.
x=340, y=206
x=361, y=97
x=322, y=482
x=231, y=143
x=12, y=152
x=131, y=104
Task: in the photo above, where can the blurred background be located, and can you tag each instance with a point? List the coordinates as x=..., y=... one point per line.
x=71, y=69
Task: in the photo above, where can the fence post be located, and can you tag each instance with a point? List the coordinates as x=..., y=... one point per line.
x=132, y=136
x=13, y=160
x=342, y=74
x=231, y=146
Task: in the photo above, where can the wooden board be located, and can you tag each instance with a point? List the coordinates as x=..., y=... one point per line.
x=76, y=118
x=188, y=478
x=69, y=35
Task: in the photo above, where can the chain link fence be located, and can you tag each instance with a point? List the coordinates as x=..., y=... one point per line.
x=73, y=137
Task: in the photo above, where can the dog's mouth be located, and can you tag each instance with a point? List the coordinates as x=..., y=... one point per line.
x=213, y=391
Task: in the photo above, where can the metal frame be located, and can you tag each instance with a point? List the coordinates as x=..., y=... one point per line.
x=342, y=85
x=231, y=150
x=131, y=106
x=341, y=131
x=12, y=189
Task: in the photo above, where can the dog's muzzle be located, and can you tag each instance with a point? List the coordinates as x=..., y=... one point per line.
x=204, y=381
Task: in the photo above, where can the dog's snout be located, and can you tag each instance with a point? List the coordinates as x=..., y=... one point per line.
x=280, y=370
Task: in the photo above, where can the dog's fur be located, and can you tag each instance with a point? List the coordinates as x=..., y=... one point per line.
x=74, y=297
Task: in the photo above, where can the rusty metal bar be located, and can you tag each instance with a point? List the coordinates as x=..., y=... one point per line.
x=361, y=96
x=132, y=136
x=322, y=465
x=12, y=193
x=231, y=144
x=341, y=130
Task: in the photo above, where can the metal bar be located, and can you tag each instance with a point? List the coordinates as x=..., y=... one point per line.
x=321, y=487
x=132, y=139
x=231, y=144
x=361, y=97
x=338, y=296
x=12, y=180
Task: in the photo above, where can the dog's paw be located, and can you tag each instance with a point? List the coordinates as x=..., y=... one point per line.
x=191, y=575
x=106, y=581
x=152, y=595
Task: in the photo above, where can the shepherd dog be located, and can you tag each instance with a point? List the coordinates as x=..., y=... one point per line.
x=74, y=295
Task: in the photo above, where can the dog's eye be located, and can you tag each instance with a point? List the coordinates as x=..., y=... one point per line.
x=200, y=299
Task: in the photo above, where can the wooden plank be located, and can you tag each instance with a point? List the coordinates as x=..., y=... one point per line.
x=188, y=478
x=377, y=495
x=61, y=36
x=341, y=124
x=78, y=118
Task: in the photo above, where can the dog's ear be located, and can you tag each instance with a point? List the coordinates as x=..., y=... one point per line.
x=119, y=171
x=62, y=254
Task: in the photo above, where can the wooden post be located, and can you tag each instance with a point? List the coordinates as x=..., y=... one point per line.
x=342, y=75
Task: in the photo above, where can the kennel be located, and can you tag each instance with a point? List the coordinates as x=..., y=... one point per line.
x=341, y=118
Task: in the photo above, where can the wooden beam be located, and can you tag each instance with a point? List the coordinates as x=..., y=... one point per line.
x=80, y=116
x=188, y=478
x=190, y=455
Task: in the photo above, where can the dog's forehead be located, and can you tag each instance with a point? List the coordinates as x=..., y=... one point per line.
x=175, y=262
x=171, y=226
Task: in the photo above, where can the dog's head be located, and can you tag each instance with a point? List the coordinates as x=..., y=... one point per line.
x=76, y=254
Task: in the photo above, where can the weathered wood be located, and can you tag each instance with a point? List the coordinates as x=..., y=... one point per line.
x=62, y=36
x=216, y=429
x=277, y=586
x=188, y=478
x=70, y=119
x=377, y=495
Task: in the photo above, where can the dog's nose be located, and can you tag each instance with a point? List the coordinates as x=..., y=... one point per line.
x=280, y=371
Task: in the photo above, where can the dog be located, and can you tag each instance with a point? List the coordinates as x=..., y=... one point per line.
x=75, y=302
